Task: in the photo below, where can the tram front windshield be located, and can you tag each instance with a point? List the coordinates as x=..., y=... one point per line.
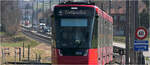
x=73, y=33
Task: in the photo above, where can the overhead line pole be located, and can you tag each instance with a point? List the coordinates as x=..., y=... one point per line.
x=132, y=19
x=132, y=30
x=37, y=11
x=139, y=54
x=32, y=13
x=43, y=8
x=109, y=7
x=127, y=33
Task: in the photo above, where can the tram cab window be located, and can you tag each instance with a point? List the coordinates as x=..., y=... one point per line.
x=95, y=34
x=72, y=32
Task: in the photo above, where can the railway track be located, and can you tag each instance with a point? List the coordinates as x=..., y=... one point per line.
x=37, y=37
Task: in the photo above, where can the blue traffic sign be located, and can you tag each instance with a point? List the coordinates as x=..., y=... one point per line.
x=141, y=45
x=141, y=41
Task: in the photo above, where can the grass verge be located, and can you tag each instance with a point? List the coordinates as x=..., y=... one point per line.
x=2, y=33
x=122, y=39
x=18, y=40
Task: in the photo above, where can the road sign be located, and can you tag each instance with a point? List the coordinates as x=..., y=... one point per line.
x=141, y=33
x=141, y=45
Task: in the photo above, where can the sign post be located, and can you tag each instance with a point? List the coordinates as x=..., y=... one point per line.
x=140, y=44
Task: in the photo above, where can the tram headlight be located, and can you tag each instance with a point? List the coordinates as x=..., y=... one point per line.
x=78, y=53
x=78, y=41
x=86, y=53
x=59, y=51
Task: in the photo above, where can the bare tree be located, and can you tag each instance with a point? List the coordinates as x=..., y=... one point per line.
x=10, y=16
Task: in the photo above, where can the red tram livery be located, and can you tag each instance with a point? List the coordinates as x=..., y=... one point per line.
x=82, y=35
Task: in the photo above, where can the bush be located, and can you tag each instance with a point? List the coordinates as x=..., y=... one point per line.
x=18, y=39
x=119, y=39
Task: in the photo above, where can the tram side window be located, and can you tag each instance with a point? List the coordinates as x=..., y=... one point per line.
x=95, y=34
x=100, y=30
x=108, y=33
x=111, y=34
x=105, y=33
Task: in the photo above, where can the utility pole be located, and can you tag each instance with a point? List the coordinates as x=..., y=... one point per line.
x=127, y=32
x=37, y=11
x=110, y=7
x=102, y=5
x=50, y=4
x=32, y=13
x=149, y=18
x=43, y=8
x=132, y=18
x=138, y=54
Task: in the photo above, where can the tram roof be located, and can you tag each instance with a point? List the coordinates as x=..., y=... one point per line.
x=98, y=10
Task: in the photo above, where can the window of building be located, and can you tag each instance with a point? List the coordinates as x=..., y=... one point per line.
x=122, y=18
x=115, y=17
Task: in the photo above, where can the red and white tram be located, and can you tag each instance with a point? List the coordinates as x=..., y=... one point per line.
x=82, y=35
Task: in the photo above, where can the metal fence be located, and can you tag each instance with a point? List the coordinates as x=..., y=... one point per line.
x=21, y=55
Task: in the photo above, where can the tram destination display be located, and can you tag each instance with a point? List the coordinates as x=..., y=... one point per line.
x=76, y=11
x=72, y=12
